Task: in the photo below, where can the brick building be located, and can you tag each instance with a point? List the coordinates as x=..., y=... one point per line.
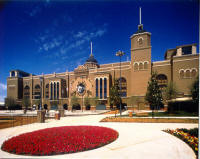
x=93, y=81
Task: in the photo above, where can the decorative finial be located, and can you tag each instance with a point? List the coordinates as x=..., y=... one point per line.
x=91, y=49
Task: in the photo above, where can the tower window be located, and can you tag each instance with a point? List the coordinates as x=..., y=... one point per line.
x=141, y=66
x=187, y=74
x=136, y=66
x=182, y=74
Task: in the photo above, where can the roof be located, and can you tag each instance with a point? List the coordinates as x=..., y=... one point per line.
x=91, y=59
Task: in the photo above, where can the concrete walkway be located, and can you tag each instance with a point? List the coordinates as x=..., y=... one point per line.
x=136, y=140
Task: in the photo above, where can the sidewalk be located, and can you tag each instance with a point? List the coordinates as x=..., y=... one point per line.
x=136, y=140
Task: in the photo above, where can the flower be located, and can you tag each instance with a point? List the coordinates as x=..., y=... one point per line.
x=60, y=140
x=192, y=141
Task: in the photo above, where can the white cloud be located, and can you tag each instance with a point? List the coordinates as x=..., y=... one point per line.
x=2, y=98
x=80, y=34
x=35, y=11
x=3, y=86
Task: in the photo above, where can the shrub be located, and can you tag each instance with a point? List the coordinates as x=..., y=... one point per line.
x=187, y=106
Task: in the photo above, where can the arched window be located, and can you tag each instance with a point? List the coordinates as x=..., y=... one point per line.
x=58, y=90
x=101, y=83
x=47, y=90
x=54, y=92
x=13, y=74
x=136, y=66
x=162, y=81
x=145, y=65
x=187, y=74
x=37, y=92
x=123, y=91
x=193, y=73
x=141, y=66
x=105, y=88
x=97, y=87
x=51, y=90
x=27, y=91
x=181, y=73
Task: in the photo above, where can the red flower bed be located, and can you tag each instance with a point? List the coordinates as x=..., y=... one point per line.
x=60, y=140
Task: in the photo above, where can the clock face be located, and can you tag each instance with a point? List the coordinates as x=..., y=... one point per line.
x=80, y=88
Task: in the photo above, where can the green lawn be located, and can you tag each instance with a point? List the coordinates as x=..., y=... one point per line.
x=166, y=114
x=175, y=114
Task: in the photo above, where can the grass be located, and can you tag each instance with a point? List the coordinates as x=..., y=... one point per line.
x=166, y=114
x=175, y=114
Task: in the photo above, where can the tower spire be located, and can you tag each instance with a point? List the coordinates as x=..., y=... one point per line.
x=91, y=49
x=140, y=26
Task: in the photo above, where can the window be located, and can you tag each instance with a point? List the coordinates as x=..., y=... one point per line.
x=141, y=66
x=27, y=91
x=47, y=90
x=182, y=74
x=58, y=90
x=187, y=50
x=97, y=88
x=101, y=88
x=145, y=65
x=54, y=92
x=123, y=91
x=105, y=88
x=13, y=74
x=162, y=81
x=136, y=66
x=193, y=73
x=51, y=90
x=37, y=92
x=187, y=74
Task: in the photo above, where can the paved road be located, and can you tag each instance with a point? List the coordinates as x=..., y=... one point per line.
x=136, y=140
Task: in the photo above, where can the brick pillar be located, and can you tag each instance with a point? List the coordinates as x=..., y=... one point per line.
x=41, y=116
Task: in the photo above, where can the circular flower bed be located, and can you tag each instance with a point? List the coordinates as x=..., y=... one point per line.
x=60, y=140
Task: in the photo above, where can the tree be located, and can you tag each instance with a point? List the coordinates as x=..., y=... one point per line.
x=26, y=103
x=195, y=91
x=114, y=94
x=86, y=101
x=74, y=101
x=153, y=94
x=171, y=91
x=10, y=103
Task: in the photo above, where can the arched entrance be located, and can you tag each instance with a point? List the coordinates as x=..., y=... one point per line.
x=46, y=106
x=76, y=107
x=88, y=107
x=65, y=106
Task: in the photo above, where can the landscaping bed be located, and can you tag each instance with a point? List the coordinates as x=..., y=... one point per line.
x=149, y=120
x=60, y=140
x=189, y=136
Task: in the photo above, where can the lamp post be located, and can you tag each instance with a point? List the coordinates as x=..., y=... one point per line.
x=40, y=93
x=120, y=54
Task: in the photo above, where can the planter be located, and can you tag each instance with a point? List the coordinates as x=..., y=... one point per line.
x=130, y=114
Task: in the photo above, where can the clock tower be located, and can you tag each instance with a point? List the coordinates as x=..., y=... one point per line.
x=140, y=60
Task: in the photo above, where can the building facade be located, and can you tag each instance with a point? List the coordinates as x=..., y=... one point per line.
x=91, y=81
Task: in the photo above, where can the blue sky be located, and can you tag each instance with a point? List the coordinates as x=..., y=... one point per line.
x=54, y=36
